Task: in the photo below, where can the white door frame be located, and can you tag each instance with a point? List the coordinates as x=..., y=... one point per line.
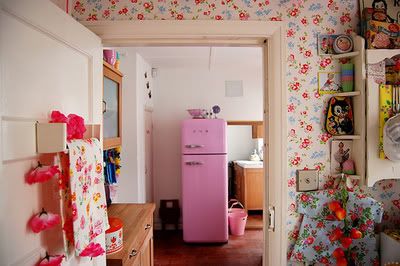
x=271, y=36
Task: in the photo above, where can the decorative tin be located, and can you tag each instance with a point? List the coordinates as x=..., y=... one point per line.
x=343, y=44
x=114, y=241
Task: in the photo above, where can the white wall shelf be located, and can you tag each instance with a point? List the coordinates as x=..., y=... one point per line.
x=351, y=137
x=357, y=177
x=358, y=102
x=346, y=55
x=348, y=94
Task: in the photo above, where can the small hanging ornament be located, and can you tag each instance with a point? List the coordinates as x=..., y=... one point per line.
x=41, y=174
x=43, y=221
x=51, y=260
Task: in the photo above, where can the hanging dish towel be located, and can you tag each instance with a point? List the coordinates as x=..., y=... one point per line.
x=89, y=208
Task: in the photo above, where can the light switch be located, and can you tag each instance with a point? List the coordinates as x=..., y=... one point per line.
x=307, y=180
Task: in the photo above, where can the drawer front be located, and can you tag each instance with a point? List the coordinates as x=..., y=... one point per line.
x=145, y=230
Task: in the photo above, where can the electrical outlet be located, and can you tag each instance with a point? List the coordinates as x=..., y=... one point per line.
x=307, y=180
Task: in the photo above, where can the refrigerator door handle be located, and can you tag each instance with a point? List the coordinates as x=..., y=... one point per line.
x=192, y=146
x=193, y=163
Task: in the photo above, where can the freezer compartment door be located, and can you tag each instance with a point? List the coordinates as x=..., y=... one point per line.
x=204, y=198
x=204, y=136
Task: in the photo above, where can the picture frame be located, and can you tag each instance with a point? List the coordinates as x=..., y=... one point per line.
x=325, y=44
x=341, y=151
x=329, y=82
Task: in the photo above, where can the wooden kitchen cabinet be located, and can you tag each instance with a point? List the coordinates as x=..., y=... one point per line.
x=249, y=187
x=137, y=235
x=257, y=131
x=112, y=107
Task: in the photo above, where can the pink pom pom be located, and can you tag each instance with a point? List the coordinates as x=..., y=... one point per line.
x=51, y=260
x=58, y=117
x=43, y=221
x=41, y=174
x=75, y=127
x=75, y=124
x=92, y=250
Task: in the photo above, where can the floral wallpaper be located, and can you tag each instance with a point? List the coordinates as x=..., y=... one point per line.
x=308, y=143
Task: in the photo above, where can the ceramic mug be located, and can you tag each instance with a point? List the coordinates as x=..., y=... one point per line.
x=110, y=56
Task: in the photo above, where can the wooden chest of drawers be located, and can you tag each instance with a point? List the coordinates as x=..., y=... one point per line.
x=137, y=234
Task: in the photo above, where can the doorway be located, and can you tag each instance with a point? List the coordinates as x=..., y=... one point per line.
x=182, y=78
x=270, y=36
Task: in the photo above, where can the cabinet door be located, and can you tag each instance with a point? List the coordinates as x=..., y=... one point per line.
x=112, y=107
x=254, y=186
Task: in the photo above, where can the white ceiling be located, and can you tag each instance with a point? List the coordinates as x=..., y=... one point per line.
x=202, y=57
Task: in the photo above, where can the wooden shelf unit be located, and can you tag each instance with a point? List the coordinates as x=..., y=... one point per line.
x=137, y=235
x=113, y=74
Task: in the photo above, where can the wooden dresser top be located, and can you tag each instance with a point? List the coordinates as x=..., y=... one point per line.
x=133, y=217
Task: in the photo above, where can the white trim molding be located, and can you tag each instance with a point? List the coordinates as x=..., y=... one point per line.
x=267, y=34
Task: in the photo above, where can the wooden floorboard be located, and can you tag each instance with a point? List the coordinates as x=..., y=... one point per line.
x=247, y=250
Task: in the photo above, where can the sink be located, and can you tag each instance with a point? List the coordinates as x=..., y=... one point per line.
x=250, y=164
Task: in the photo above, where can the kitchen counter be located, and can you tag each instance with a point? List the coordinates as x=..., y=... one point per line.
x=250, y=164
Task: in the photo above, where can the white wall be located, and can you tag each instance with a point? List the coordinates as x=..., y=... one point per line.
x=240, y=142
x=131, y=183
x=179, y=89
x=143, y=102
x=128, y=184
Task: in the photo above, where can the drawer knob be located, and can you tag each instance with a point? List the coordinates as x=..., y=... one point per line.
x=148, y=226
x=133, y=253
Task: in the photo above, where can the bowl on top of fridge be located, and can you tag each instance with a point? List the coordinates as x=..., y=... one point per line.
x=196, y=113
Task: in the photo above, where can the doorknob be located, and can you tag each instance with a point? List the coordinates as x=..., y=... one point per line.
x=271, y=218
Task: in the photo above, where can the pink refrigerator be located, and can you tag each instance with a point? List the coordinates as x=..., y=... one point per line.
x=204, y=181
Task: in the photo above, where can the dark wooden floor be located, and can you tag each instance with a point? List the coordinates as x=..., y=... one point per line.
x=169, y=249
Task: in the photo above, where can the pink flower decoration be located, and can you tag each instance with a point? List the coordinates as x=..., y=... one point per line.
x=51, y=260
x=92, y=250
x=75, y=127
x=75, y=124
x=43, y=221
x=41, y=174
x=58, y=117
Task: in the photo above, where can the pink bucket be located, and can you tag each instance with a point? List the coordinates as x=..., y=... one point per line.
x=237, y=219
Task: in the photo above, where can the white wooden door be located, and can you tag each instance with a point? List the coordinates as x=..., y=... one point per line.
x=148, y=150
x=48, y=61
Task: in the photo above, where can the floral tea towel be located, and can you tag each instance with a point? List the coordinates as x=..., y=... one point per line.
x=89, y=208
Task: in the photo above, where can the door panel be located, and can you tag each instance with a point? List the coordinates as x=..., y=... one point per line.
x=48, y=62
x=148, y=146
x=204, y=198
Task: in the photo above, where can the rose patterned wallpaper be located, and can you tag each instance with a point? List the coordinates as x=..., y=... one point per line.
x=308, y=143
